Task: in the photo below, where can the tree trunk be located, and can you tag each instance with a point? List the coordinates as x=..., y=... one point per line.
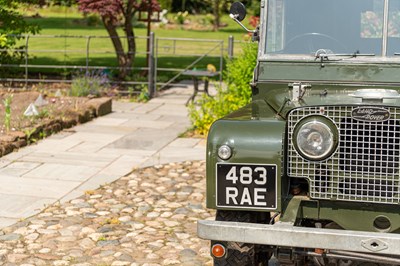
x=130, y=34
x=217, y=19
x=124, y=60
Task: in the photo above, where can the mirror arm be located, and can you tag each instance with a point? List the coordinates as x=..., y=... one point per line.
x=240, y=23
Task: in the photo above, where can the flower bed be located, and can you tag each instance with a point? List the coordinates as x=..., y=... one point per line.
x=18, y=130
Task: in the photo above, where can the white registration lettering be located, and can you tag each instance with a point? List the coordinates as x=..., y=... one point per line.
x=246, y=175
x=259, y=196
x=246, y=198
x=263, y=176
x=231, y=175
x=231, y=194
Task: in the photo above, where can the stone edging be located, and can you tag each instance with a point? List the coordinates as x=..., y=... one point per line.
x=91, y=109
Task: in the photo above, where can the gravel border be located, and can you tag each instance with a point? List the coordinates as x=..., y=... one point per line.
x=145, y=218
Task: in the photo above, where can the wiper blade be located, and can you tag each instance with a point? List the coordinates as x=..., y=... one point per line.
x=354, y=55
x=324, y=54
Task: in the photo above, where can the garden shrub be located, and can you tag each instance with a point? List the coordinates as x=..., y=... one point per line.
x=166, y=4
x=92, y=83
x=238, y=75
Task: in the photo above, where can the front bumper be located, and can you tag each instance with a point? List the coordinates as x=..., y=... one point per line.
x=287, y=235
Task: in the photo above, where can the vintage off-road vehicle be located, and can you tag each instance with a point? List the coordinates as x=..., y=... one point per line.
x=309, y=172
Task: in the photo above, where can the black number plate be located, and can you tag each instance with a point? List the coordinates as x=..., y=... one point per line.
x=251, y=186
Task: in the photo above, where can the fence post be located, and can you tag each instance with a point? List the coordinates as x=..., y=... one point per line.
x=26, y=60
x=230, y=46
x=151, y=71
x=87, y=53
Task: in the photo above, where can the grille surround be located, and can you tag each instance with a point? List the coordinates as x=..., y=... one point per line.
x=365, y=167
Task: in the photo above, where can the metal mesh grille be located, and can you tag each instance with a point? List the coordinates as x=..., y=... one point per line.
x=365, y=167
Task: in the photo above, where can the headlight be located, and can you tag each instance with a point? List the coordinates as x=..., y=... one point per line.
x=315, y=138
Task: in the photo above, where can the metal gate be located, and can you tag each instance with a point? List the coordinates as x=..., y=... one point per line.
x=194, y=54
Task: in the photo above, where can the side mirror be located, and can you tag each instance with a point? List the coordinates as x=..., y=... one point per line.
x=238, y=11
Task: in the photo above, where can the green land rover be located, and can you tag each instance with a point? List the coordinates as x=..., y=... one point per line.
x=309, y=172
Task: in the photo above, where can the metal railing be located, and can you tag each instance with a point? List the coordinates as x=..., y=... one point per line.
x=214, y=48
x=92, y=52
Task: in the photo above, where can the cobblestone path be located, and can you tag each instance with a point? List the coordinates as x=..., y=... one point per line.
x=146, y=218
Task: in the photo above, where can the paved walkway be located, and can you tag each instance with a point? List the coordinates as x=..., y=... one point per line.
x=64, y=166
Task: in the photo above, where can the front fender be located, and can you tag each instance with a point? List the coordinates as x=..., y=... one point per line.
x=255, y=135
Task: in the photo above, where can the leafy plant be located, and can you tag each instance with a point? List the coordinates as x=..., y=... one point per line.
x=13, y=26
x=237, y=76
x=7, y=116
x=181, y=17
x=166, y=4
x=43, y=113
x=144, y=95
x=29, y=134
x=92, y=82
x=42, y=135
x=93, y=20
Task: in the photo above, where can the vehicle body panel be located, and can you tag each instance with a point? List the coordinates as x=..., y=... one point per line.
x=262, y=132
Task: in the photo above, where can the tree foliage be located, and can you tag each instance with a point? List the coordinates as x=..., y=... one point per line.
x=238, y=75
x=113, y=14
x=218, y=7
x=12, y=26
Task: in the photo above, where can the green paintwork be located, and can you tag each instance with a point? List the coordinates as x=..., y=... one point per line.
x=254, y=133
x=332, y=72
x=349, y=215
x=339, y=80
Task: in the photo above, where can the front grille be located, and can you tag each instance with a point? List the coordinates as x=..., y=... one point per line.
x=365, y=166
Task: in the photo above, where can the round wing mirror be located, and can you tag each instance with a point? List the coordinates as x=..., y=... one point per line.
x=238, y=11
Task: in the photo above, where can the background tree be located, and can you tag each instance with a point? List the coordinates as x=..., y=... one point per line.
x=218, y=8
x=119, y=12
x=12, y=25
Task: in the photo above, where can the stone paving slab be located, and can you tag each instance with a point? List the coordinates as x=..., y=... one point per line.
x=108, y=121
x=132, y=152
x=35, y=187
x=75, y=158
x=93, y=135
x=18, y=168
x=67, y=164
x=120, y=130
x=17, y=206
x=64, y=172
x=122, y=106
x=155, y=124
x=4, y=222
x=146, y=108
x=88, y=147
x=146, y=139
x=175, y=154
x=57, y=145
x=123, y=165
x=132, y=116
x=166, y=110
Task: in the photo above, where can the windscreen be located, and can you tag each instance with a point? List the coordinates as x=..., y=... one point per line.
x=336, y=26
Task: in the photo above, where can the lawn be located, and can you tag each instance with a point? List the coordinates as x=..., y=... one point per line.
x=70, y=46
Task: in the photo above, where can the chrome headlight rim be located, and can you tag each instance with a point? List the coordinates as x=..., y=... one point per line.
x=325, y=124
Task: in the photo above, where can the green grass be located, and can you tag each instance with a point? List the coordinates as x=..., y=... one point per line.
x=71, y=51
